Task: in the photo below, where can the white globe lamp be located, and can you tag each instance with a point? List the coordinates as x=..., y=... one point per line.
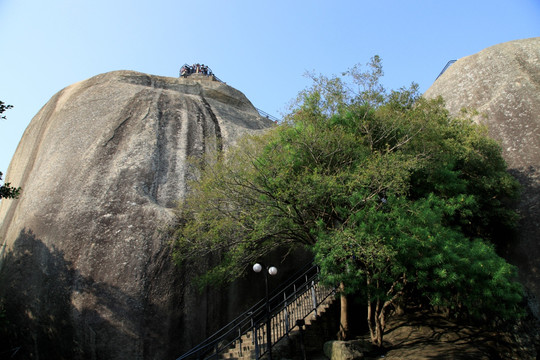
x=257, y=267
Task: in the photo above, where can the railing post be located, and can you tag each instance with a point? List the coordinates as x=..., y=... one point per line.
x=314, y=298
x=268, y=320
x=240, y=341
x=255, y=338
x=295, y=300
x=286, y=314
x=252, y=330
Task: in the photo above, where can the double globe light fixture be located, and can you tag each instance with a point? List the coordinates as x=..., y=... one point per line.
x=270, y=270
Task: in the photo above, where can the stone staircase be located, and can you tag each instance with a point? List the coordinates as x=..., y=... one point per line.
x=252, y=344
x=294, y=309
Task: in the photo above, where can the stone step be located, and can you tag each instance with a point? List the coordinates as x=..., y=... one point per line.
x=246, y=341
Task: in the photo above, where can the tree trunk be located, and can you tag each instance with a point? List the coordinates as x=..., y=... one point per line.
x=380, y=322
x=370, y=313
x=379, y=330
x=343, y=333
x=377, y=316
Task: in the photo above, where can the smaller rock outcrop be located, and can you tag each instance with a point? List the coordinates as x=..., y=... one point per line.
x=346, y=350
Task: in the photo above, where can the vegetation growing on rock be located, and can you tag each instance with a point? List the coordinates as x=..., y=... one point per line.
x=7, y=191
x=391, y=193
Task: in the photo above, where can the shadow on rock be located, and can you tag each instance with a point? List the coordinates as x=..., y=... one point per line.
x=39, y=291
x=525, y=252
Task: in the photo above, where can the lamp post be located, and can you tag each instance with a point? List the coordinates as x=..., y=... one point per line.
x=272, y=270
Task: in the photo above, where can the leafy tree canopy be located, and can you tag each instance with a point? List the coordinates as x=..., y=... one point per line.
x=4, y=107
x=391, y=193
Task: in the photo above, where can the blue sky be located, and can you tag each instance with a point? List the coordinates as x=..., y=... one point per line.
x=262, y=48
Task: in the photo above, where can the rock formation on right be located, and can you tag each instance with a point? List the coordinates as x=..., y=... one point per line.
x=502, y=83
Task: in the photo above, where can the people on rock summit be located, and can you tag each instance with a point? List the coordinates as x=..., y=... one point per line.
x=187, y=70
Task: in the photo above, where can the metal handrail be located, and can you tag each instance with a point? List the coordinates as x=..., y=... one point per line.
x=240, y=319
x=308, y=297
x=254, y=318
x=446, y=67
x=267, y=115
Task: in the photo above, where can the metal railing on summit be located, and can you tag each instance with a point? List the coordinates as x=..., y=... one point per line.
x=201, y=69
x=294, y=300
x=187, y=70
x=267, y=115
x=446, y=67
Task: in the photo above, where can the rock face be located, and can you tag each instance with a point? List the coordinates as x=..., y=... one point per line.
x=503, y=83
x=86, y=268
x=346, y=350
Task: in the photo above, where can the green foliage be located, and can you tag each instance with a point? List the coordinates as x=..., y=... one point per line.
x=390, y=192
x=407, y=246
x=4, y=107
x=7, y=191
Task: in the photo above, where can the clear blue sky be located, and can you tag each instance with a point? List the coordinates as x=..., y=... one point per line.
x=262, y=48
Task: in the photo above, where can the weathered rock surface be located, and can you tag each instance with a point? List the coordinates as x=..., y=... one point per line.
x=86, y=270
x=346, y=350
x=503, y=83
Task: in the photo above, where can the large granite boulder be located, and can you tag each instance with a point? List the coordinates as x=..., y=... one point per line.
x=503, y=84
x=86, y=267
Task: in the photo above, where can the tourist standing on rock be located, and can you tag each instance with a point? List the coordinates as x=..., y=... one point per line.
x=184, y=71
x=187, y=70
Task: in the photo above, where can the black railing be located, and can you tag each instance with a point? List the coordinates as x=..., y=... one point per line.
x=446, y=67
x=295, y=300
x=267, y=115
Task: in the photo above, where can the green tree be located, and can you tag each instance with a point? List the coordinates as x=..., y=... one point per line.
x=7, y=191
x=391, y=194
x=4, y=107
